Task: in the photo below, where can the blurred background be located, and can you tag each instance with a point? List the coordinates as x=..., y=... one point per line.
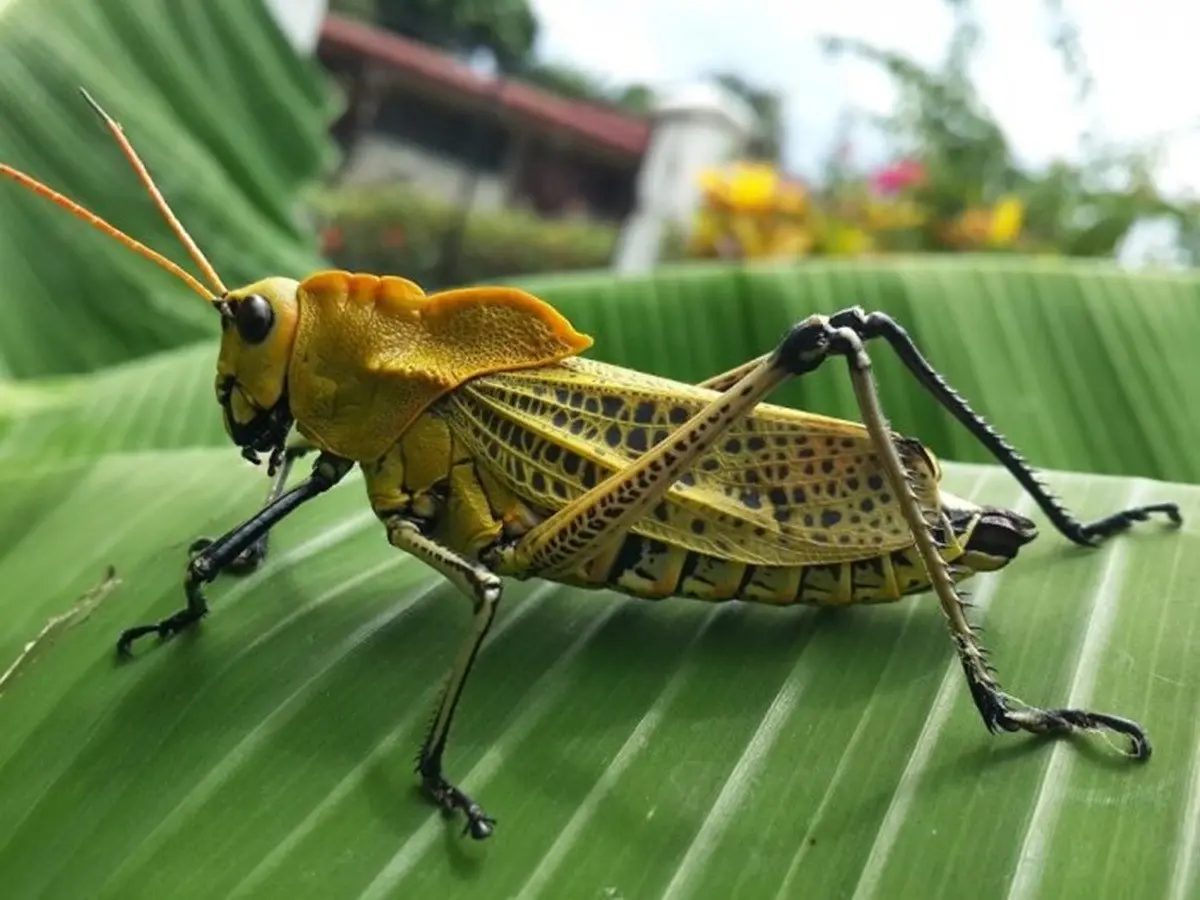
x=770, y=130
x=682, y=178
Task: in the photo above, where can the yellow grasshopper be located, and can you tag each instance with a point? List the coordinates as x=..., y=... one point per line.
x=489, y=448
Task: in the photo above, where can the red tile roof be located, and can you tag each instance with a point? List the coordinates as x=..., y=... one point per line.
x=615, y=131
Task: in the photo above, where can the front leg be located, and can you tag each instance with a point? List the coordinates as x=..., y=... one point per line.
x=252, y=556
x=216, y=556
x=483, y=588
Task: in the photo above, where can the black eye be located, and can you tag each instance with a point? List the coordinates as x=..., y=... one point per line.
x=254, y=317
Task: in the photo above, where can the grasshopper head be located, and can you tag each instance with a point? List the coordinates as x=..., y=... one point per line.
x=258, y=329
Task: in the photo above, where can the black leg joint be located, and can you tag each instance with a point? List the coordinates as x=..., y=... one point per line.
x=855, y=318
x=806, y=345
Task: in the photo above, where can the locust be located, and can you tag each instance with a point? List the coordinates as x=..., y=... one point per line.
x=490, y=448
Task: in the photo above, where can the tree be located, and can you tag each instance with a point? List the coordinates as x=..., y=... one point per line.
x=766, y=142
x=1079, y=209
x=505, y=28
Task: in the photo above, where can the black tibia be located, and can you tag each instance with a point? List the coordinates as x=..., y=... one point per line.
x=252, y=556
x=802, y=350
x=483, y=588
x=878, y=325
x=216, y=556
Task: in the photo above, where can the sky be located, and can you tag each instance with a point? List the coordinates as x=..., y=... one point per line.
x=1142, y=53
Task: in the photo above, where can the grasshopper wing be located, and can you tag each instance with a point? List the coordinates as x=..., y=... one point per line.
x=781, y=487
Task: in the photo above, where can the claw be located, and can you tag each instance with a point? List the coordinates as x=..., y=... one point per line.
x=167, y=628
x=1095, y=533
x=1062, y=721
x=479, y=824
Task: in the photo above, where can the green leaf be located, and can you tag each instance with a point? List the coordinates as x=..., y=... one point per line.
x=1085, y=367
x=164, y=401
x=628, y=749
x=229, y=121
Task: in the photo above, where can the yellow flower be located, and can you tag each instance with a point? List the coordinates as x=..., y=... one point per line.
x=753, y=186
x=750, y=208
x=1006, y=221
x=715, y=188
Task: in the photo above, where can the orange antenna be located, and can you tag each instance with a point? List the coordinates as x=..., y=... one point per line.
x=96, y=222
x=148, y=183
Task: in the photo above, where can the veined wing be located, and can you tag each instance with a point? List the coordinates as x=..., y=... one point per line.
x=782, y=487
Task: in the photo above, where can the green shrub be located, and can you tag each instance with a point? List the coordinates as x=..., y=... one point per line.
x=397, y=231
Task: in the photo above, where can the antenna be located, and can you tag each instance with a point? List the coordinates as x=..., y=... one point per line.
x=148, y=183
x=113, y=232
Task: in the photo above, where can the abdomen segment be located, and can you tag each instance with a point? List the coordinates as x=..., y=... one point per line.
x=653, y=570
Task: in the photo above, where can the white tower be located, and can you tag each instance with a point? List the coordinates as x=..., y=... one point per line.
x=699, y=126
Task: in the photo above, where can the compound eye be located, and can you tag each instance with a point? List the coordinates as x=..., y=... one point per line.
x=254, y=317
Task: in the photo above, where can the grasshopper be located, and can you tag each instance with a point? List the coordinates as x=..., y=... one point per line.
x=490, y=448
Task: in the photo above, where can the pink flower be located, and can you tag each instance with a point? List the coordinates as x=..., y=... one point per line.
x=332, y=240
x=899, y=175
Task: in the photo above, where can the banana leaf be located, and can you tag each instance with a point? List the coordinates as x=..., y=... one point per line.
x=229, y=121
x=627, y=749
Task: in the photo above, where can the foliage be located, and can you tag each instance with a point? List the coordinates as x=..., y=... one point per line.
x=507, y=29
x=1079, y=209
x=364, y=10
x=401, y=230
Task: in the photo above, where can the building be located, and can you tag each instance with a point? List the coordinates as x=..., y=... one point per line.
x=416, y=114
